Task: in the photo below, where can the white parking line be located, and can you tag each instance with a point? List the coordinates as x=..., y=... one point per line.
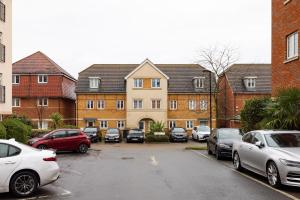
x=251, y=178
x=154, y=162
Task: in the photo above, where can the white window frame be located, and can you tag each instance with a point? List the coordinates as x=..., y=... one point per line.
x=199, y=82
x=172, y=124
x=121, y=124
x=173, y=104
x=14, y=79
x=138, y=83
x=44, y=125
x=189, y=124
x=94, y=82
x=251, y=82
x=90, y=104
x=42, y=78
x=103, y=124
x=292, y=47
x=43, y=100
x=155, y=103
x=120, y=104
x=203, y=105
x=101, y=104
x=138, y=104
x=16, y=102
x=155, y=83
x=192, y=105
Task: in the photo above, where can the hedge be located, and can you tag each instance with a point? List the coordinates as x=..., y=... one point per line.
x=2, y=131
x=16, y=129
x=150, y=138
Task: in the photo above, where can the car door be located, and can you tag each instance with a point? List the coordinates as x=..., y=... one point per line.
x=73, y=139
x=9, y=161
x=257, y=155
x=58, y=140
x=244, y=148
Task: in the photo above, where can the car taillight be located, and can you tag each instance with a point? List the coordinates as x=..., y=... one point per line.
x=50, y=159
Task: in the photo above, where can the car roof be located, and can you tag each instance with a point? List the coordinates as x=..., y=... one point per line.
x=276, y=131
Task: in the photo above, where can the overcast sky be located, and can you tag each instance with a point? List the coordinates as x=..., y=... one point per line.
x=77, y=33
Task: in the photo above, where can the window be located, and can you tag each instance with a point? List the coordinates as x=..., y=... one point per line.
x=8, y=151
x=121, y=124
x=156, y=104
x=42, y=78
x=120, y=104
x=189, y=124
x=155, y=83
x=59, y=134
x=256, y=138
x=2, y=51
x=248, y=137
x=138, y=83
x=13, y=151
x=173, y=105
x=16, y=79
x=292, y=45
x=101, y=104
x=199, y=82
x=2, y=11
x=73, y=133
x=43, y=125
x=16, y=102
x=172, y=124
x=137, y=104
x=103, y=124
x=3, y=150
x=90, y=104
x=203, y=105
x=250, y=82
x=94, y=82
x=192, y=104
x=203, y=122
x=42, y=102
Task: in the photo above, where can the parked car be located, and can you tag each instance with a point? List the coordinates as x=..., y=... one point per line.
x=200, y=133
x=113, y=135
x=135, y=135
x=221, y=140
x=24, y=169
x=62, y=140
x=272, y=154
x=178, y=134
x=93, y=133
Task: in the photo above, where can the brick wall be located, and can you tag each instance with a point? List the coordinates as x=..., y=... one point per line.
x=285, y=20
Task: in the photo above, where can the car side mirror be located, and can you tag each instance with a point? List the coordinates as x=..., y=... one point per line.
x=259, y=144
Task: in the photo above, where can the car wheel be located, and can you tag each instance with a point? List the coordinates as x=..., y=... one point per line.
x=237, y=162
x=273, y=175
x=23, y=184
x=208, y=150
x=218, y=156
x=42, y=146
x=83, y=148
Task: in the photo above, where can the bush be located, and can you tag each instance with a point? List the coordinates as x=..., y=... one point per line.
x=23, y=119
x=16, y=129
x=70, y=126
x=56, y=119
x=150, y=138
x=156, y=127
x=2, y=131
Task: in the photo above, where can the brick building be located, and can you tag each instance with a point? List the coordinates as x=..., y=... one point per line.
x=134, y=95
x=239, y=83
x=285, y=44
x=40, y=88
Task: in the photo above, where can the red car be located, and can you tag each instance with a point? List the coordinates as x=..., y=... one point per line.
x=62, y=140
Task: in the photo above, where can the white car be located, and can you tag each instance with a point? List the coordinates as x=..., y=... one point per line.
x=200, y=133
x=24, y=169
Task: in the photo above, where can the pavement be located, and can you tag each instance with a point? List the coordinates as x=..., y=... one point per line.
x=154, y=171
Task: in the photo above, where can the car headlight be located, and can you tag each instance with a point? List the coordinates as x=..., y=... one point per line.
x=225, y=146
x=290, y=163
x=117, y=136
x=141, y=136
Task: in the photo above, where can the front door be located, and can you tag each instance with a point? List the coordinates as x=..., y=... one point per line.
x=142, y=125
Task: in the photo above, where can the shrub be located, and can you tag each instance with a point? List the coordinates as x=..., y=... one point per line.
x=56, y=119
x=156, y=127
x=69, y=126
x=2, y=131
x=23, y=119
x=15, y=128
x=150, y=138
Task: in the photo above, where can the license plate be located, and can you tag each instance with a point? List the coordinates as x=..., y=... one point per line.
x=134, y=139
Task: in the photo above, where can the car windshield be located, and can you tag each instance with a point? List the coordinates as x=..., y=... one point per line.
x=178, y=130
x=90, y=130
x=283, y=140
x=135, y=132
x=112, y=131
x=230, y=134
x=203, y=128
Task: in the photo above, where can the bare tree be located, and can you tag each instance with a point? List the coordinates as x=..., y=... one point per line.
x=217, y=59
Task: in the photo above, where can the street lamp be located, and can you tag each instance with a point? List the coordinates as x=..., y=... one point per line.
x=210, y=100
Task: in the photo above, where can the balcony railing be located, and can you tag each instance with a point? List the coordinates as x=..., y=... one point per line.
x=2, y=11
x=2, y=52
x=2, y=94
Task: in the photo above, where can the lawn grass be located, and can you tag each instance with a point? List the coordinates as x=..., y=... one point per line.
x=198, y=148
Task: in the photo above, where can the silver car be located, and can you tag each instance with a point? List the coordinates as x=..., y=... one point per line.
x=273, y=154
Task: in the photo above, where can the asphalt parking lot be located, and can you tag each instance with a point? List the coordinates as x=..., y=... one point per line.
x=154, y=171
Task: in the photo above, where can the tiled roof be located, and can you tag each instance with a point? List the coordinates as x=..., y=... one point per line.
x=236, y=73
x=113, y=77
x=39, y=63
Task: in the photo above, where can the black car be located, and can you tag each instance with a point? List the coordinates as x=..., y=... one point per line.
x=178, y=134
x=113, y=135
x=93, y=133
x=221, y=140
x=135, y=135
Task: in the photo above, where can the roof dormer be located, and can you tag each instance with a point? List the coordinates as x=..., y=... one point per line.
x=250, y=83
x=94, y=82
x=198, y=82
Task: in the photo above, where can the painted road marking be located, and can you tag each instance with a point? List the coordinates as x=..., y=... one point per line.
x=249, y=177
x=154, y=162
